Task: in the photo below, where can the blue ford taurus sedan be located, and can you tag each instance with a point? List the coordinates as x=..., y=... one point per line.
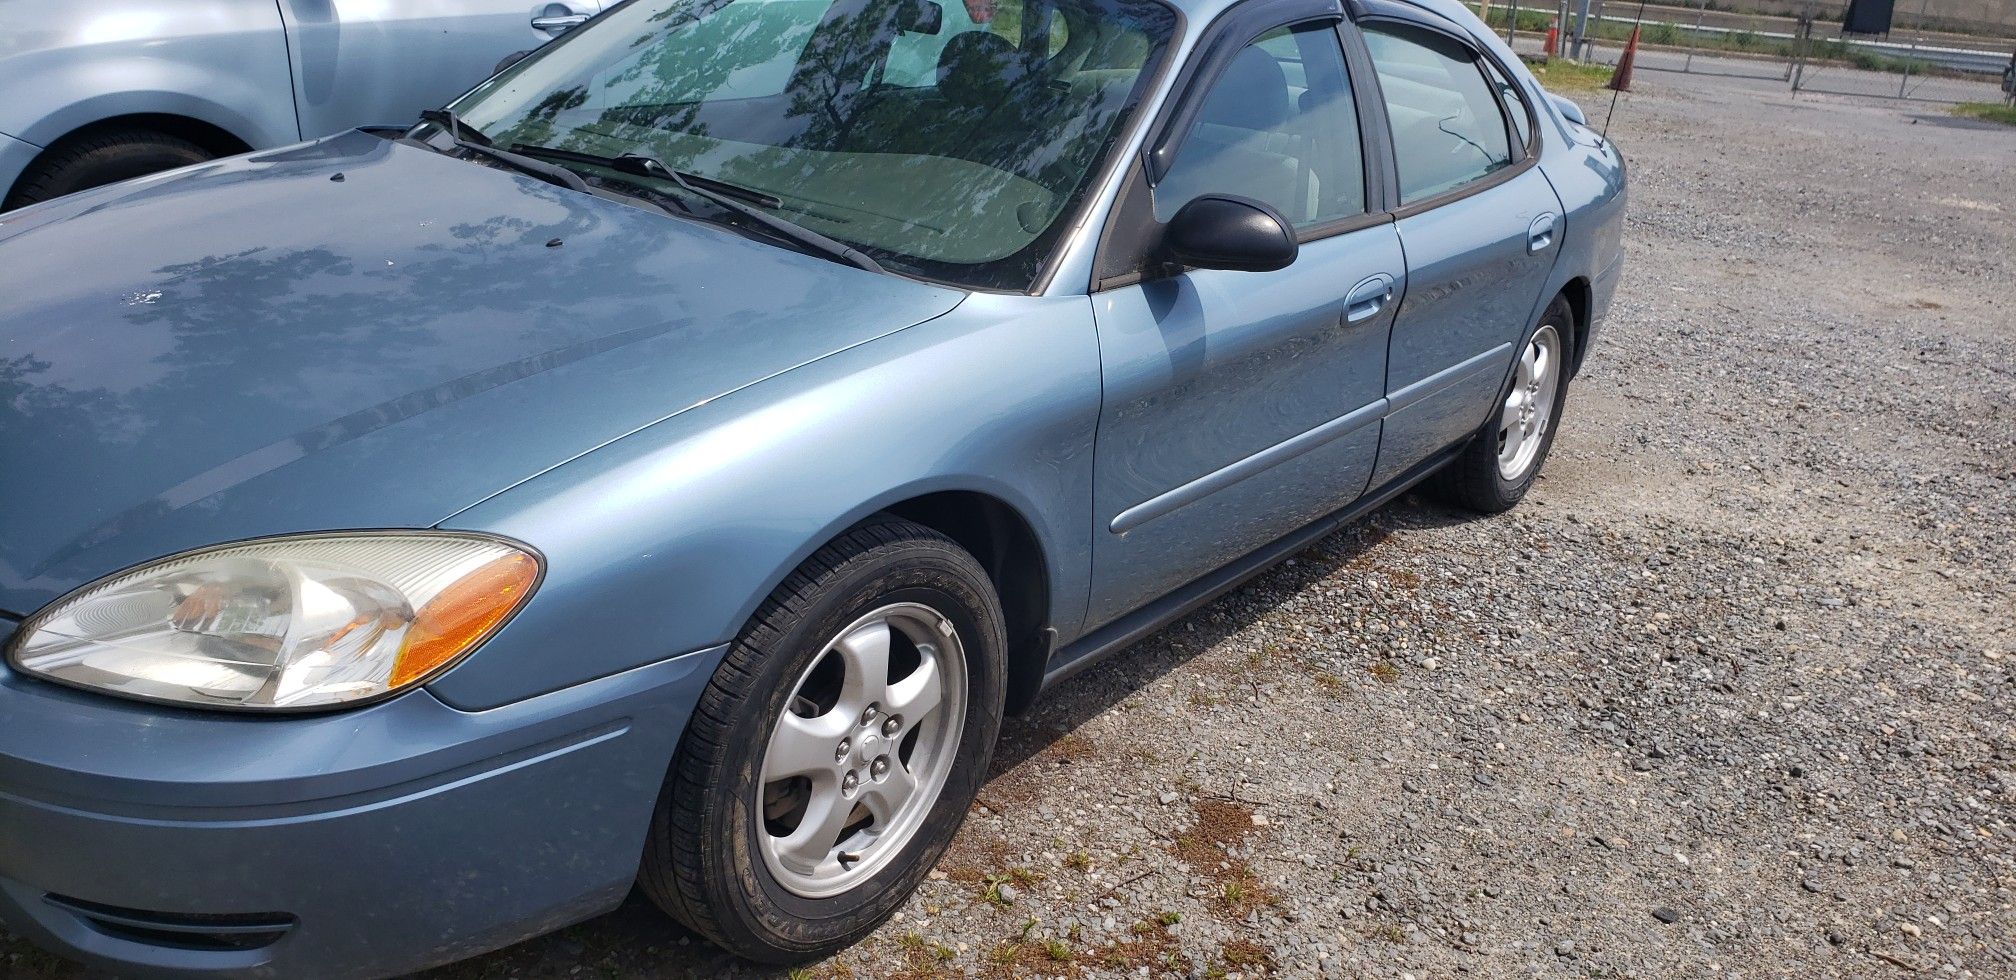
x=667, y=464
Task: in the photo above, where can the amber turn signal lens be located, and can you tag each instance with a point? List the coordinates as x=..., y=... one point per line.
x=462, y=615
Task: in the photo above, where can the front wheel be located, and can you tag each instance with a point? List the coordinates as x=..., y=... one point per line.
x=81, y=163
x=1500, y=464
x=836, y=749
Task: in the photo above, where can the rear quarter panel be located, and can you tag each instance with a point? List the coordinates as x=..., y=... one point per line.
x=224, y=62
x=1587, y=171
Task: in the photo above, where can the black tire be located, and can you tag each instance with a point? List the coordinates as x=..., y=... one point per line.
x=702, y=864
x=1473, y=481
x=100, y=158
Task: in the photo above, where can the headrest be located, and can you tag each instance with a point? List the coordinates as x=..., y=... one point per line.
x=977, y=68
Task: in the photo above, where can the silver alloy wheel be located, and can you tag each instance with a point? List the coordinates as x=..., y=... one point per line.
x=1529, y=409
x=858, y=759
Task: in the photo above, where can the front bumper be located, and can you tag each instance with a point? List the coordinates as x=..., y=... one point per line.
x=160, y=842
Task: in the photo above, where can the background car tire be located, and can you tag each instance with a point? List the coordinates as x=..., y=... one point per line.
x=1475, y=480
x=102, y=158
x=704, y=863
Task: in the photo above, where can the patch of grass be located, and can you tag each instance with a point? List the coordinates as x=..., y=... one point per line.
x=1244, y=955
x=1057, y=951
x=1169, y=917
x=1078, y=861
x=992, y=891
x=1384, y=671
x=1071, y=747
x=1991, y=111
x=1562, y=75
x=921, y=958
x=1148, y=947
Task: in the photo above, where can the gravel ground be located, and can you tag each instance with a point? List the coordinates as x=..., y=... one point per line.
x=1733, y=692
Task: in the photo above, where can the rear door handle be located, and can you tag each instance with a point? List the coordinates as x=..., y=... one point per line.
x=1540, y=233
x=1366, y=299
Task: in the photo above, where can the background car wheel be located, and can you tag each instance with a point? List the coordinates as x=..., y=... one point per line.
x=1499, y=466
x=102, y=158
x=836, y=749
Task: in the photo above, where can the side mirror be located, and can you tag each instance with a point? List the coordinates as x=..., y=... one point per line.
x=1218, y=231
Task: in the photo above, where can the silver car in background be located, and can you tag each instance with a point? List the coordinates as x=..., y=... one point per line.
x=96, y=91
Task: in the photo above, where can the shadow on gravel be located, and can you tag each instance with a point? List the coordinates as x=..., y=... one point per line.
x=1097, y=690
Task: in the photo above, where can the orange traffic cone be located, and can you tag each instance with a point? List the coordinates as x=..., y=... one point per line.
x=1553, y=39
x=1621, y=78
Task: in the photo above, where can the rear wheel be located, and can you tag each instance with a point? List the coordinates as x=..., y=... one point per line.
x=1499, y=466
x=102, y=158
x=835, y=751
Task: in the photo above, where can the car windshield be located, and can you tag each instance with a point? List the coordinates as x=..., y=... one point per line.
x=948, y=141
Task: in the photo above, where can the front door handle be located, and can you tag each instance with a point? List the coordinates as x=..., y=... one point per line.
x=1366, y=299
x=1540, y=233
x=559, y=24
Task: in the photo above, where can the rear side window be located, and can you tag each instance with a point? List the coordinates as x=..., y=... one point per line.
x=1515, y=105
x=1448, y=128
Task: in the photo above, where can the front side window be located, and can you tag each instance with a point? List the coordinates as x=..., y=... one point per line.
x=1448, y=129
x=948, y=141
x=1278, y=126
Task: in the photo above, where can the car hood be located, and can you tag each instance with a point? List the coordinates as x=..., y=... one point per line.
x=361, y=333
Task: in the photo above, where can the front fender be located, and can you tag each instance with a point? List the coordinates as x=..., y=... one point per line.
x=223, y=62
x=667, y=540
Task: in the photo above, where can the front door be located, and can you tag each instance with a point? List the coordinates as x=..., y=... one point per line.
x=1240, y=406
x=371, y=62
x=1479, y=223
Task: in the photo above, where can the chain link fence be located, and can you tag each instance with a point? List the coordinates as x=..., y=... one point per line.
x=1806, y=50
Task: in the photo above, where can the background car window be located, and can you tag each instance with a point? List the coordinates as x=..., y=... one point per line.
x=1448, y=129
x=1278, y=126
x=758, y=42
x=1515, y=104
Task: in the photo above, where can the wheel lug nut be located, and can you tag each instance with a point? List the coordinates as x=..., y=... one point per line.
x=868, y=717
x=892, y=724
x=851, y=781
x=880, y=767
x=840, y=751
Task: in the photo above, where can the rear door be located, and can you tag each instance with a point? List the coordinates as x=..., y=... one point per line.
x=379, y=62
x=1479, y=223
x=1240, y=406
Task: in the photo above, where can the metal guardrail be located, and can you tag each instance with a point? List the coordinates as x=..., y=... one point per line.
x=1957, y=59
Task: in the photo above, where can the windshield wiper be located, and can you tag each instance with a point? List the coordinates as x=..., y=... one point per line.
x=448, y=120
x=749, y=194
x=722, y=194
x=480, y=145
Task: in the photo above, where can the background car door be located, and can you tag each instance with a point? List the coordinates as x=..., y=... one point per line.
x=1241, y=405
x=1479, y=223
x=379, y=62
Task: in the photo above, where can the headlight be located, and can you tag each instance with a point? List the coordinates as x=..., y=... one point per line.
x=301, y=622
